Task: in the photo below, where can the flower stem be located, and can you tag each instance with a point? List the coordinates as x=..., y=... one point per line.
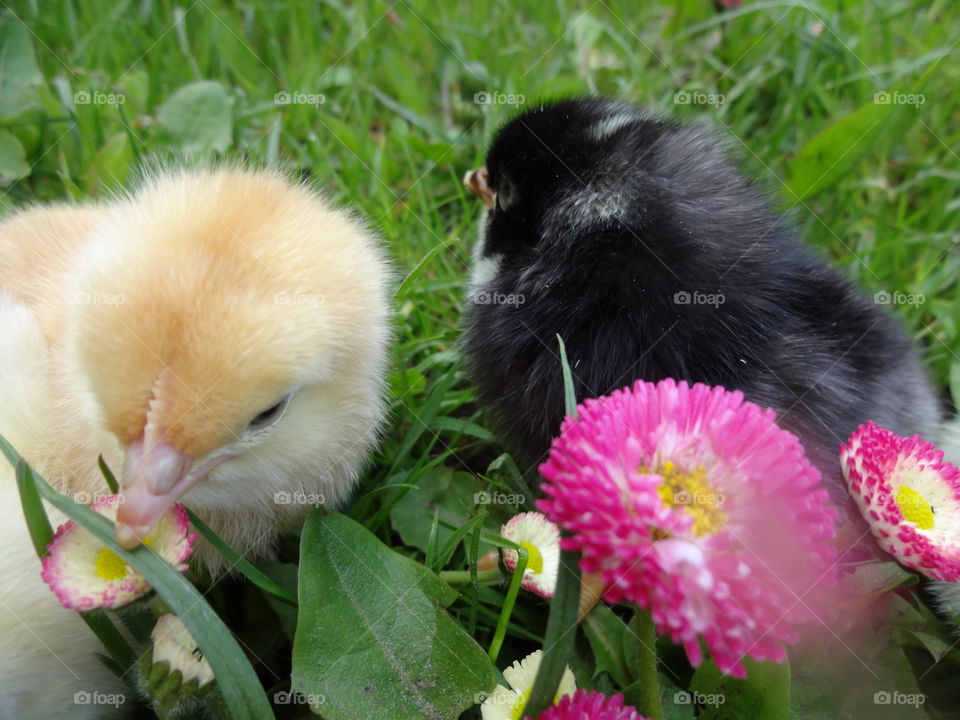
x=508, y=603
x=648, y=684
x=456, y=577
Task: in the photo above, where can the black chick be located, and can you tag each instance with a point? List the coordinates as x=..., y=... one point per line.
x=640, y=243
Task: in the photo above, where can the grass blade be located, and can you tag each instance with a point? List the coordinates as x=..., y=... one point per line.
x=241, y=564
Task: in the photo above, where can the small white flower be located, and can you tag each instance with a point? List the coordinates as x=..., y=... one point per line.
x=541, y=538
x=173, y=644
x=508, y=704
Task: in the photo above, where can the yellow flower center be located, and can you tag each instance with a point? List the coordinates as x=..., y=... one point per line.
x=109, y=566
x=534, y=558
x=914, y=507
x=690, y=490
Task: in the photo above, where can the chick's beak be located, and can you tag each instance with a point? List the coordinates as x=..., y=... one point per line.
x=476, y=182
x=154, y=478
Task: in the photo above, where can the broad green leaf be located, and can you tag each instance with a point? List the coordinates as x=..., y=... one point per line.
x=199, y=117
x=454, y=497
x=238, y=682
x=19, y=72
x=13, y=158
x=374, y=639
x=871, y=580
x=865, y=676
x=830, y=154
x=606, y=631
x=763, y=695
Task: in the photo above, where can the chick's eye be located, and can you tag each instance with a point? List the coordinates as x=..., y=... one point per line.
x=269, y=416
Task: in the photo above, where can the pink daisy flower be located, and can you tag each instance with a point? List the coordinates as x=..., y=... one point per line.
x=85, y=574
x=590, y=705
x=696, y=506
x=541, y=538
x=910, y=497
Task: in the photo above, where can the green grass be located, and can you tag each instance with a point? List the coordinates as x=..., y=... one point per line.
x=398, y=127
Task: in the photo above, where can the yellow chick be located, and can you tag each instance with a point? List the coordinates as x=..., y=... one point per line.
x=220, y=337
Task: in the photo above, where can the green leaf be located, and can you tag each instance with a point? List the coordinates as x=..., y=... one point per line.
x=561, y=633
x=373, y=636
x=411, y=278
x=236, y=679
x=873, y=579
x=569, y=393
x=763, y=695
x=605, y=632
x=852, y=677
x=38, y=524
x=830, y=154
x=199, y=117
x=19, y=72
x=13, y=158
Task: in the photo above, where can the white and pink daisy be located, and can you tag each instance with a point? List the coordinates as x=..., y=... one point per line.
x=174, y=645
x=910, y=497
x=696, y=506
x=85, y=574
x=508, y=703
x=541, y=539
x=590, y=705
